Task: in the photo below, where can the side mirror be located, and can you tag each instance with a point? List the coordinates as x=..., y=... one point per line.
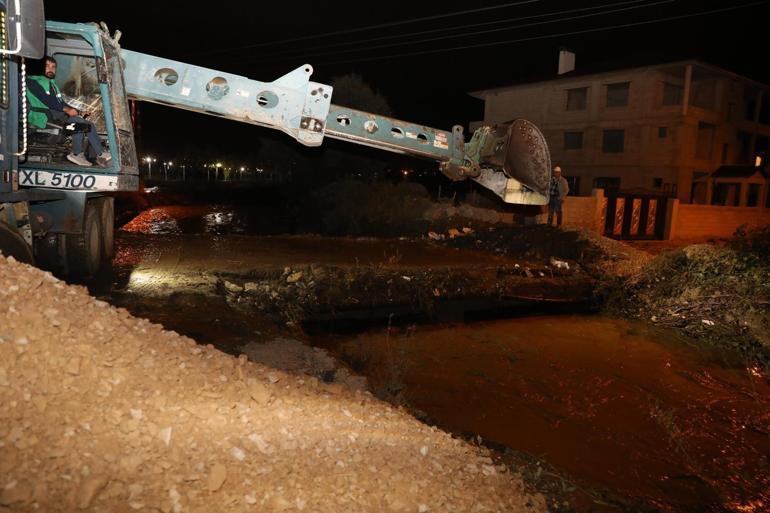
x=25, y=26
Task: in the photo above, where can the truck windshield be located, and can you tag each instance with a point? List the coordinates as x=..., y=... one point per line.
x=120, y=110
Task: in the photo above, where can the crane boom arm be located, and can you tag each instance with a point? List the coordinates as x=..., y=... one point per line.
x=511, y=160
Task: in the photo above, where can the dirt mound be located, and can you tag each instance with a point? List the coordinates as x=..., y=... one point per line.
x=600, y=256
x=102, y=411
x=318, y=292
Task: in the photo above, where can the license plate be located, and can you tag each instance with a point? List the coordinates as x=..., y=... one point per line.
x=74, y=181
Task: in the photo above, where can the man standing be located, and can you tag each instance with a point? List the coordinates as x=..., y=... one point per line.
x=559, y=190
x=46, y=104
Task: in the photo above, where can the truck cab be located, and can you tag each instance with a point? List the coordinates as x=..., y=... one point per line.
x=62, y=211
x=90, y=77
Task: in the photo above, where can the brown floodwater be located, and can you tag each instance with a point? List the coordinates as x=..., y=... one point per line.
x=641, y=414
x=617, y=405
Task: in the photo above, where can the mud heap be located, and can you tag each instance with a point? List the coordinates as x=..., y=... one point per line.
x=102, y=411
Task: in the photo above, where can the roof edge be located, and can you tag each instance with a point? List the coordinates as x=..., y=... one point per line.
x=482, y=93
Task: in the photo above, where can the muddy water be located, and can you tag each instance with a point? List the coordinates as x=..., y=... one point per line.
x=616, y=405
x=658, y=423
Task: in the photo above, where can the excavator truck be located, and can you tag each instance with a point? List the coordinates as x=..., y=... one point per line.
x=61, y=216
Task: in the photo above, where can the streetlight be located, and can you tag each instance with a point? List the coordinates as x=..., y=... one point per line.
x=149, y=161
x=167, y=165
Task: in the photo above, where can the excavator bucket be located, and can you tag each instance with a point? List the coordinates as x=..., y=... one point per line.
x=522, y=153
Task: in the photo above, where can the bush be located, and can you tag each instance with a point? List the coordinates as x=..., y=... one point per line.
x=720, y=294
x=357, y=208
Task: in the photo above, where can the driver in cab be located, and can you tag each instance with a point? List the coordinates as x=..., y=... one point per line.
x=46, y=105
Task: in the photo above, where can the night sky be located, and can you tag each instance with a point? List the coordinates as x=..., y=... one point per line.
x=263, y=40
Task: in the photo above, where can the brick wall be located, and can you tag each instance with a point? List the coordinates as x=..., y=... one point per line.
x=702, y=221
x=581, y=211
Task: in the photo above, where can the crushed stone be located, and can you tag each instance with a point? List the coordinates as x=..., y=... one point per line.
x=126, y=416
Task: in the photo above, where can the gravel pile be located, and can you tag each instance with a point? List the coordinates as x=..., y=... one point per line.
x=102, y=411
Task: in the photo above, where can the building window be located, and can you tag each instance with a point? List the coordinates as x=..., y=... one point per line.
x=703, y=94
x=699, y=188
x=756, y=109
x=662, y=132
x=750, y=97
x=617, y=94
x=672, y=94
x=608, y=183
x=657, y=183
x=705, y=141
x=744, y=147
x=764, y=111
x=613, y=141
x=577, y=98
x=726, y=194
x=762, y=146
x=752, y=199
x=573, y=140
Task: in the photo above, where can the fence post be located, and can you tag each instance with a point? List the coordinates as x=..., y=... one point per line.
x=599, y=206
x=672, y=212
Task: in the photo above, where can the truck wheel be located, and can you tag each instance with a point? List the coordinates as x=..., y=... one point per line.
x=47, y=253
x=84, y=250
x=13, y=244
x=107, y=217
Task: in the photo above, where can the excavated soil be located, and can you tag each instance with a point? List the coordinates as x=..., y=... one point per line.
x=102, y=411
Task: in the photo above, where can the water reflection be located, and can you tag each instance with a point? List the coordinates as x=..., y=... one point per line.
x=223, y=222
x=615, y=404
x=199, y=219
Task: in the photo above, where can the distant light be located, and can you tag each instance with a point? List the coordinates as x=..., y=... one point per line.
x=170, y=163
x=758, y=161
x=219, y=164
x=243, y=168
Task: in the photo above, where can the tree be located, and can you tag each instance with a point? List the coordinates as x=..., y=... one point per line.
x=352, y=91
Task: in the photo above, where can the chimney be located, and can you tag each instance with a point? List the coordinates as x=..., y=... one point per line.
x=566, y=61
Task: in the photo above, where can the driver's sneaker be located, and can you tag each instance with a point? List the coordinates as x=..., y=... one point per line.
x=106, y=156
x=79, y=159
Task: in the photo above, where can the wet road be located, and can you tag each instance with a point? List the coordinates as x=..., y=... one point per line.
x=662, y=423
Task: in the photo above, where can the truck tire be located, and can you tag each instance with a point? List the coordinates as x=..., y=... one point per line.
x=13, y=244
x=84, y=250
x=107, y=217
